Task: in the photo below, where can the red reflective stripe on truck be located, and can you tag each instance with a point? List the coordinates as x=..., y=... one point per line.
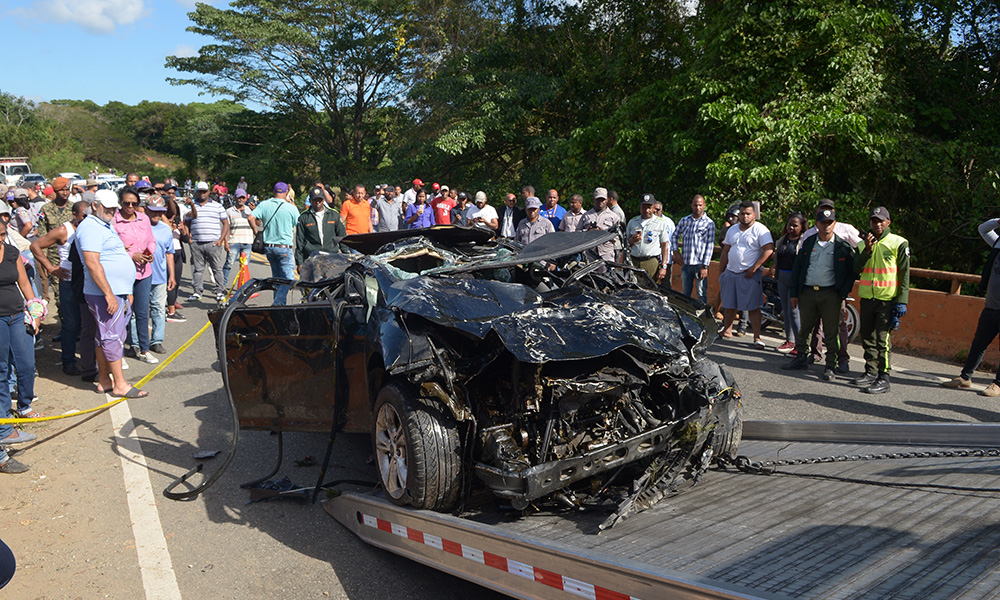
x=576, y=587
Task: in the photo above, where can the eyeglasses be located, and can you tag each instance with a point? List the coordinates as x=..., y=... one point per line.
x=124, y=204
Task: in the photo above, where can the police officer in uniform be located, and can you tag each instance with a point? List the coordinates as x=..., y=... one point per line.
x=533, y=226
x=601, y=217
x=884, y=286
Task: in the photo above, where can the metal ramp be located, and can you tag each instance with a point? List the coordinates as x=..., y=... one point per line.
x=914, y=528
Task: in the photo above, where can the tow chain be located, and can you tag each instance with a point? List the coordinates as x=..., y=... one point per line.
x=770, y=467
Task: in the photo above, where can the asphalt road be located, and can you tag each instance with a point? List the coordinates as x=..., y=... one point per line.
x=70, y=523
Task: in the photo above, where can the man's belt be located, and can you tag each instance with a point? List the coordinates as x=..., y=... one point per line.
x=656, y=256
x=817, y=288
x=277, y=245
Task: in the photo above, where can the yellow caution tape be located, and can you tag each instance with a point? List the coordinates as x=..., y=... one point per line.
x=142, y=382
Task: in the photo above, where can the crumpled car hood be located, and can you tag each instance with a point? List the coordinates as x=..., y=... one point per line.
x=567, y=324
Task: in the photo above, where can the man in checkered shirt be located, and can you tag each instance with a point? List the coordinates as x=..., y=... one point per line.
x=695, y=237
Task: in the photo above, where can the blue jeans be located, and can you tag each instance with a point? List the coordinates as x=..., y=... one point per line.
x=282, y=265
x=69, y=311
x=17, y=349
x=232, y=258
x=158, y=312
x=788, y=314
x=689, y=281
x=140, y=315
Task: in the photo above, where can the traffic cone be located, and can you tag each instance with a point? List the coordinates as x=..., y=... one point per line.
x=244, y=275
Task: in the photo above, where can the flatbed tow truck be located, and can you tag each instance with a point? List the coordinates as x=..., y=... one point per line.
x=853, y=524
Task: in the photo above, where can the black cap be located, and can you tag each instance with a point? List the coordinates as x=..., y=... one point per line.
x=826, y=202
x=463, y=195
x=317, y=192
x=826, y=214
x=880, y=213
x=648, y=199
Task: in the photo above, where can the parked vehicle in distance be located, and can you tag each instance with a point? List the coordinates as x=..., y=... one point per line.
x=114, y=182
x=33, y=179
x=70, y=175
x=543, y=377
x=12, y=168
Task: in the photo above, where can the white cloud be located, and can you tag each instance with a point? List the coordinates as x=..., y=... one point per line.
x=96, y=16
x=185, y=51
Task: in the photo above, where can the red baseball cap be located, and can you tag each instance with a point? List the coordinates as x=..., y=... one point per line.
x=418, y=182
x=436, y=186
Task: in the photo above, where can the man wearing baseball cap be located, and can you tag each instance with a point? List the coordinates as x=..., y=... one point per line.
x=163, y=271
x=533, y=225
x=319, y=228
x=209, y=225
x=884, y=288
x=822, y=277
x=482, y=214
x=241, y=232
x=601, y=217
x=53, y=215
x=649, y=240
x=411, y=194
x=276, y=218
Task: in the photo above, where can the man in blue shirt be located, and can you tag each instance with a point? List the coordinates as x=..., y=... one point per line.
x=551, y=210
x=109, y=275
x=163, y=272
x=278, y=217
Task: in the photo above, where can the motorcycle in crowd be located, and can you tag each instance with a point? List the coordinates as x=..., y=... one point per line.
x=771, y=314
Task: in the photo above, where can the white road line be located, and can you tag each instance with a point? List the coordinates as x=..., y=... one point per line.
x=157, y=571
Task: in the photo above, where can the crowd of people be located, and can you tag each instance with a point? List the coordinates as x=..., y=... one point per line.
x=112, y=262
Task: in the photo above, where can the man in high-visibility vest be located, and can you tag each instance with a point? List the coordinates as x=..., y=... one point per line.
x=884, y=287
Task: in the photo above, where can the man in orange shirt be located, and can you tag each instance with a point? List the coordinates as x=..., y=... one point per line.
x=356, y=212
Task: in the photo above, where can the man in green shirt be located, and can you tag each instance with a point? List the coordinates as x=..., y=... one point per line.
x=52, y=216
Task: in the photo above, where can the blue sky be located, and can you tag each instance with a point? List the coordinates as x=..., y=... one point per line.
x=98, y=50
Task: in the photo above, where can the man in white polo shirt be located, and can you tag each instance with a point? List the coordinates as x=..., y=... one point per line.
x=209, y=225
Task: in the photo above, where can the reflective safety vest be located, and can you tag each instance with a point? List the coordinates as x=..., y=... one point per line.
x=879, y=277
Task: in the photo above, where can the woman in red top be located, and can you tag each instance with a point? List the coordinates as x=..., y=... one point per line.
x=134, y=229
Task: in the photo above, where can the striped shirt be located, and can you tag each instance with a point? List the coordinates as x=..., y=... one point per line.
x=696, y=240
x=207, y=227
x=239, y=228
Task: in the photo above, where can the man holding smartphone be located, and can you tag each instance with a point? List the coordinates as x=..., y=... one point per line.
x=884, y=287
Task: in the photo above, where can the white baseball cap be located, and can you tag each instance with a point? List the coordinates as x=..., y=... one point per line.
x=107, y=198
x=201, y=187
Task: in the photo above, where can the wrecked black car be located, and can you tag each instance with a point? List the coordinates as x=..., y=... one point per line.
x=532, y=371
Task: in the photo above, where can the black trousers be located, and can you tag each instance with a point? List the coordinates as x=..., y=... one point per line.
x=986, y=331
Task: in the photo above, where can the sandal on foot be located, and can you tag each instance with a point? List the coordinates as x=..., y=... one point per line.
x=31, y=414
x=133, y=392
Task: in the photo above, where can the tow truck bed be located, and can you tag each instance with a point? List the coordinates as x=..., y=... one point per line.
x=911, y=528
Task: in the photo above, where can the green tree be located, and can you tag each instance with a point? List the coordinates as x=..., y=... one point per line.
x=329, y=65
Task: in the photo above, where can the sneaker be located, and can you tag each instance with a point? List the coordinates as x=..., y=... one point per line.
x=194, y=296
x=220, y=296
x=158, y=348
x=881, y=386
x=72, y=370
x=39, y=343
x=991, y=391
x=828, y=374
x=843, y=369
x=865, y=380
x=786, y=347
x=130, y=352
x=147, y=357
x=176, y=318
x=19, y=437
x=958, y=383
x=12, y=466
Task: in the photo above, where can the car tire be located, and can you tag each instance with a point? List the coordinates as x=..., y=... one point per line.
x=417, y=449
x=853, y=320
x=727, y=437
